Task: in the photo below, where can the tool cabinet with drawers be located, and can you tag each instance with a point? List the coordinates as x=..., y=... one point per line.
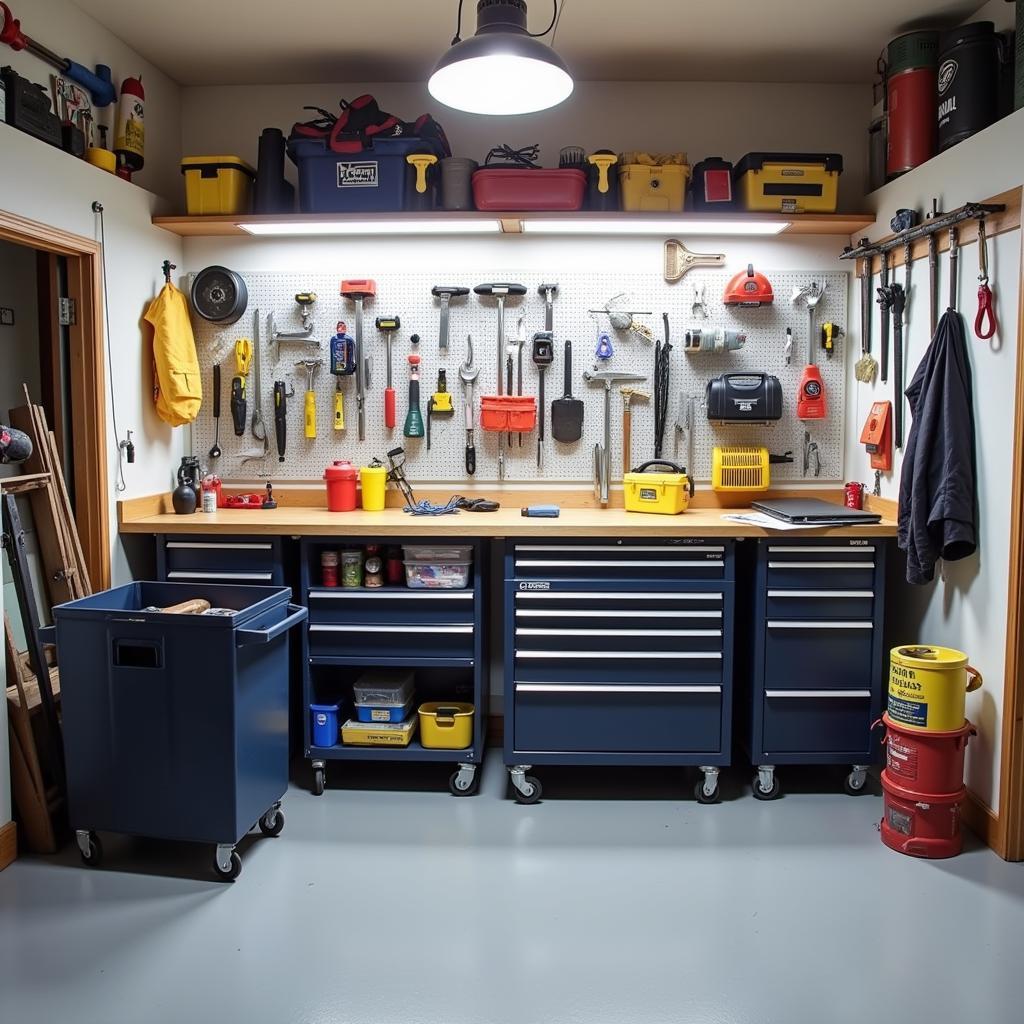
x=618, y=652
x=220, y=559
x=817, y=646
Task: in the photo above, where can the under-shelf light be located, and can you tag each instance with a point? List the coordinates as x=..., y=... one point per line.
x=646, y=225
x=411, y=225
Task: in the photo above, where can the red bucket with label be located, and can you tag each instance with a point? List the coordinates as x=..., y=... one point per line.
x=921, y=824
x=927, y=762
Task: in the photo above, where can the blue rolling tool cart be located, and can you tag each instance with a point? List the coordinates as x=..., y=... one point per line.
x=817, y=646
x=618, y=652
x=175, y=726
x=437, y=634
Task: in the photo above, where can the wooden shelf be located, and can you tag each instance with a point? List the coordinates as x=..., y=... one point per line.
x=846, y=224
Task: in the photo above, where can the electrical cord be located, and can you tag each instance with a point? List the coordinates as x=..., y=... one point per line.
x=119, y=483
x=428, y=508
x=556, y=14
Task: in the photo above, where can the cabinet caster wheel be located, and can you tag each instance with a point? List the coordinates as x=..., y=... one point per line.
x=319, y=780
x=772, y=793
x=463, y=783
x=855, y=783
x=703, y=797
x=231, y=871
x=91, y=850
x=272, y=823
x=531, y=791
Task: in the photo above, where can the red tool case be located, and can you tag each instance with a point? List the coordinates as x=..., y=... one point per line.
x=528, y=189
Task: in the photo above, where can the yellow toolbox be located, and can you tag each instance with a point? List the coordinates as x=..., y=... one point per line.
x=217, y=184
x=446, y=725
x=666, y=493
x=789, y=182
x=378, y=734
x=653, y=182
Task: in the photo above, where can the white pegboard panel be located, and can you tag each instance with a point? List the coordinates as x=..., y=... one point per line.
x=409, y=296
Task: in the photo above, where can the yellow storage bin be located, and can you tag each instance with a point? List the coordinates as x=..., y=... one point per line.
x=928, y=687
x=378, y=734
x=446, y=725
x=653, y=186
x=789, y=182
x=664, y=493
x=217, y=185
x=740, y=469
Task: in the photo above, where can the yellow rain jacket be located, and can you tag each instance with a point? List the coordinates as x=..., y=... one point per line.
x=177, y=383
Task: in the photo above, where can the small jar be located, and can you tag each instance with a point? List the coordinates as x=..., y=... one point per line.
x=351, y=568
x=374, y=571
x=211, y=492
x=329, y=568
x=394, y=570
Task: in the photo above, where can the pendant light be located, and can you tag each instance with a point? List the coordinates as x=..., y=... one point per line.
x=502, y=69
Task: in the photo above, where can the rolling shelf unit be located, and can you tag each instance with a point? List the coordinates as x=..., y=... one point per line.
x=817, y=645
x=618, y=653
x=438, y=633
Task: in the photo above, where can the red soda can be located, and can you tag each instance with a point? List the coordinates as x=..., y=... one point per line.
x=853, y=495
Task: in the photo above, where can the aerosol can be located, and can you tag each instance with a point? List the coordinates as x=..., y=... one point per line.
x=130, y=133
x=343, y=364
x=414, y=418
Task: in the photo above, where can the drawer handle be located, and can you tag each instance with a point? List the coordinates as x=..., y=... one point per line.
x=610, y=688
x=531, y=631
x=827, y=548
x=181, y=545
x=821, y=593
x=617, y=613
x=837, y=694
x=587, y=595
x=655, y=548
x=599, y=564
x=198, y=575
x=625, y=655
x=866, y=566
x=323, y=627
x=773, y=624
x=345, y=593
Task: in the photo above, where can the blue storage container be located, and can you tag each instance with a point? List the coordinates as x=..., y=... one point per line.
x=383, y=712
x=324, y=724
x=374, y=178
x=175, y=726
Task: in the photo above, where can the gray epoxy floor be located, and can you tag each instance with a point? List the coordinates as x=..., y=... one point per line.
x=617, y=899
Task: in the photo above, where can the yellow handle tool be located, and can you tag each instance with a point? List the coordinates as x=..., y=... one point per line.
x=309, y=416
x=339, y=410
x=243, y=356
x=421, y=161
x=603, y=162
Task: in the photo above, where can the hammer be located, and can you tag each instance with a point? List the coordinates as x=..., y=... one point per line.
x=628, y=395
x=445, y=293
x=548, y=291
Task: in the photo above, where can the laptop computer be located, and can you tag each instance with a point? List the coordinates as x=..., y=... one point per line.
x=814, y=510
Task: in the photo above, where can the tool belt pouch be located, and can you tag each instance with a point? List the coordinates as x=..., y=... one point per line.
x=505, y=413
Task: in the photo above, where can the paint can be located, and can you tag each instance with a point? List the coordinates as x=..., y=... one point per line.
x=920, y=824
x=968, y=82
x=911, y=98
x=928, y=687
x=929, y=762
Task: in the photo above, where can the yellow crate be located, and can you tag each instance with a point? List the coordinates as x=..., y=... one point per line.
x=217, y=185
x=663, y=493
x=446, y=725
x=740, y=469
x=378, y=734
x=789, y=182
x=647, y=187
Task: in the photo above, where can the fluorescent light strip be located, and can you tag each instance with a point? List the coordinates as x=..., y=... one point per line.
x=652, y=226
x=406, y=226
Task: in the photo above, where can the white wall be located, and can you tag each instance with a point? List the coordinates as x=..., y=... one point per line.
x=70, y=32
x=967, y=610
x=703, y=118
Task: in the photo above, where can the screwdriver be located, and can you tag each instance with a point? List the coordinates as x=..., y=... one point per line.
x=280, y=417
x=243, y=357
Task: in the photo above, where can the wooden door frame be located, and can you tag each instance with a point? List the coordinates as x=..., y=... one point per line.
x=87, y=381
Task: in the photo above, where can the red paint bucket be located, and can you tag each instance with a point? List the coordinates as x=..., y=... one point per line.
x=913, y=130
x=341, y=486
x=921, y=824
x=926, y=762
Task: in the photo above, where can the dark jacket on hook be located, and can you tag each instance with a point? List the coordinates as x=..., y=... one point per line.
x=938, y=485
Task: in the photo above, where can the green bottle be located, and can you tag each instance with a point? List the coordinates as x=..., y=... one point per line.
x=414, y=418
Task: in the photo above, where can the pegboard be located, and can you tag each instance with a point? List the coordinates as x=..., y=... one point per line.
x=408, y=295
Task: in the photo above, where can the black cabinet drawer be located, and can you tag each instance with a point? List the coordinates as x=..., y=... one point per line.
x=820, y=604
x=600, y=717
x=818, y=721
x=363, y=640
x=609, y=641
x=820, y=566
x=691, y=609
x=818, y=654
x=618, y=562
x=223, y=555
x=584, y=664
x=390, y=605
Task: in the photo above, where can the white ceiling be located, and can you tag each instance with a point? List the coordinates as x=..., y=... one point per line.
x=245, y=42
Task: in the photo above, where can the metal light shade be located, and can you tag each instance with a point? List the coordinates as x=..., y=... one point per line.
x=501, y=70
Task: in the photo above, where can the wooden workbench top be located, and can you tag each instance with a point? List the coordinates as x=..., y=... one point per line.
x=300, y=521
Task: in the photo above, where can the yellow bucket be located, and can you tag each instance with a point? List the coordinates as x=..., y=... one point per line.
x=374, y=481
x=446, y=725
x=928, y=687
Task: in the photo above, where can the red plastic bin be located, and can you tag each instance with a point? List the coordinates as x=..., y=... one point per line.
x=921, y=824
x=528, y=189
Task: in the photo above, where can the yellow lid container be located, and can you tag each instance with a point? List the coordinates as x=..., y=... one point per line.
x=648, y=187
x=928, y=687
x=104, y=159
x=664, y=493
x=446, y=725
x=373, y=481
x=217, y=185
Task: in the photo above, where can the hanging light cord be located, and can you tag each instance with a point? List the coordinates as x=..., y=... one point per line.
x=555, y=17
x=119, y=484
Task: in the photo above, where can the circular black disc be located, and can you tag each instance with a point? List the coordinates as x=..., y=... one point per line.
x=219, y=295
